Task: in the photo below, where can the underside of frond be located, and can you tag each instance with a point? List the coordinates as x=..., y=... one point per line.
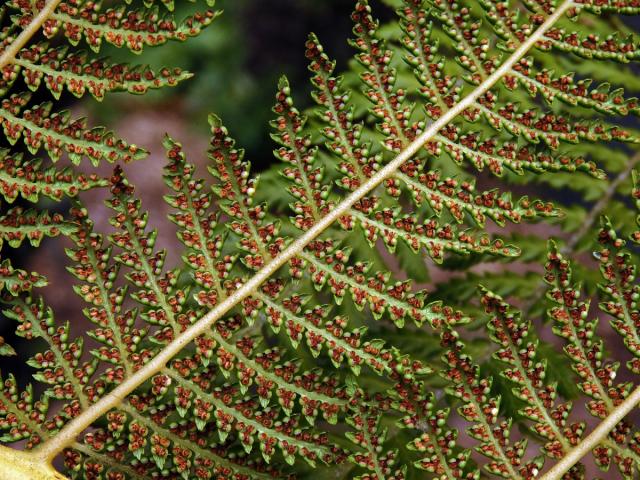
x=289, y=338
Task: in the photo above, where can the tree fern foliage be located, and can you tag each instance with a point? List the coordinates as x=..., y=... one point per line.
x=383, y=303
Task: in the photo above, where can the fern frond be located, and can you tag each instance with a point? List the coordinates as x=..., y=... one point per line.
x=505, y=459
x=30, y=180
x=98, y=273
x=313, y=392
x=198, y=228
x=198, y=225
x=18, y=225
x=41, y=126
x=56, y=133
x=429, y=235
x=344, y=141
x=258, y=236
x=341, y=345
x=79, y=74
x=164, y=307
x=438, y=443
x=573, y=91
x=329, y=265
x=133, y=29
x=619, y=290
x=173, y=441
x=518, y=351
x=368, y=435
x=60, y=367
x=24, y=418
x=591, y=45
x=250, y=423
x=15, y=281
x=308, y=189
x=291, y=251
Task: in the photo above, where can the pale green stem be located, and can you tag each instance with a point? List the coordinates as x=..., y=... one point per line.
x=594, y=438
x=12, y=50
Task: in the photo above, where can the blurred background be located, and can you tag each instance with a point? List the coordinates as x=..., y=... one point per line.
x=237, y=62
